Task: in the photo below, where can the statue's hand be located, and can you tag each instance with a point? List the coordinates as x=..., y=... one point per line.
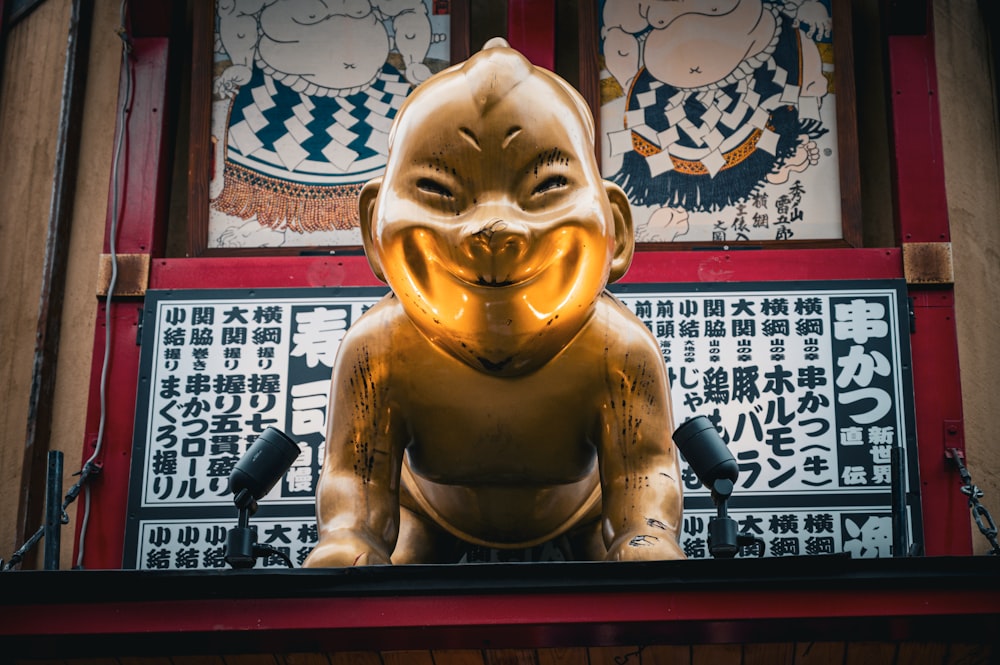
x=657, y=546
x=345, y=548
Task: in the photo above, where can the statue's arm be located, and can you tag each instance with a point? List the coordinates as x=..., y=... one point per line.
x=642, y=495
x=357, y=501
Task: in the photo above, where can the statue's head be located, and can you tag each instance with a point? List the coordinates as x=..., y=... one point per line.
x=492, y=224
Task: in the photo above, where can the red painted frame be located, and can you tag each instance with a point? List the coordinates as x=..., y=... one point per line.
x=531, y=29
x=921, y=216
x=141, y=219
x=88, y=627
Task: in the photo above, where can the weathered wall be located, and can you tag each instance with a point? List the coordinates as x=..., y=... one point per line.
x=972, y=179
x=29, y=108
x=87, y=242
x=29, y=116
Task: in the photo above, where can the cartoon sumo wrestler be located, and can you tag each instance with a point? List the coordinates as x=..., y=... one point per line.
x=499, y=395
x=313, y=96
x=722, y=97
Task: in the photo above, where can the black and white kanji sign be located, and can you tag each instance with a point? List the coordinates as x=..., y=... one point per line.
x=807, y=382
x=810, y=386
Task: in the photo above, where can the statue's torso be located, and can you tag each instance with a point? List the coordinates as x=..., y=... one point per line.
x=483, y=451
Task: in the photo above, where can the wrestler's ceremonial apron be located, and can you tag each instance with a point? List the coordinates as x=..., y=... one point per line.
x=297, y=160
x=706, y=148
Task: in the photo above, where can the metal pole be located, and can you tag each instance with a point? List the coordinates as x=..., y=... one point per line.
x=898, y=502
x=53, y=509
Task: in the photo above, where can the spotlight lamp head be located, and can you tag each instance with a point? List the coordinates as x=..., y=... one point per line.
x=708, y=455
x=260, y=469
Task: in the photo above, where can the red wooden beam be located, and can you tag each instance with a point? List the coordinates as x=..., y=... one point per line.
x=765, y=265
x=100, y=523
x=531, y=30
x=145, y=171
x=316, y=611
x=647, y=267
x=142, y=187
x=922, y=217
x=152, y=19
x=938, y=407
x=918, y=163
x=517, y=609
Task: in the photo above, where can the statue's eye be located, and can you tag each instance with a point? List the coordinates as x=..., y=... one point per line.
x=434, y=187
x=555, y=182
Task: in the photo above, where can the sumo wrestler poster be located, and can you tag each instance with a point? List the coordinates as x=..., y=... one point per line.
x=808, y=383
x=720, y=119
x=303, y=94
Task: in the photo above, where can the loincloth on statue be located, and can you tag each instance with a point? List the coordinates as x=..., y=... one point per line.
x=412, y=497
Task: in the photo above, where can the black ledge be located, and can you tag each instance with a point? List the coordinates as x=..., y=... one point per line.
x=48, y=614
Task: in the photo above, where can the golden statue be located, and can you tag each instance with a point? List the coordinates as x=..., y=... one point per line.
x=499, y=395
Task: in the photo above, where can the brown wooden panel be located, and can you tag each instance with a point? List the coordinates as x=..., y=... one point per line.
x=769, y=654
x=198, y=660
x=33, y=65
x=576, y=656
x=143, y=661
x=407, y=658
x=666, y=655
x=355, y=658
x=717, y=654
x=971, y=654
x=615, y=655
x=871, y=653
x=251, y=659
x=819, y=653
x=917, y=653
x=509, y=656
x=304, y=659
x=457, y=657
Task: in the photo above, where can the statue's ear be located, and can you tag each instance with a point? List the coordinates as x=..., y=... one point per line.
x=621, y=212
x=366, y=212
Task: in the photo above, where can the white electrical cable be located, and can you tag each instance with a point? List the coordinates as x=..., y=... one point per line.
x=120, y=139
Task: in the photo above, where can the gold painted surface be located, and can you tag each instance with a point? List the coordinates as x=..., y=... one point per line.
x=489, y=394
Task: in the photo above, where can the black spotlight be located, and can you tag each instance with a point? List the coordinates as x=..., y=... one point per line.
x=710, y=459
x=259, y=470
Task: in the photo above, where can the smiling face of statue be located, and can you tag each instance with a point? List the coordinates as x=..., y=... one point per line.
x=492, y=224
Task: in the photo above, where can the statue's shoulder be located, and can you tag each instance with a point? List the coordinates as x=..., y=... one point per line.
x=620, y=326
x=610, y=307
x=384, y=324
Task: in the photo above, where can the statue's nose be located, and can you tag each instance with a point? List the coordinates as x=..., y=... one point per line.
x=497, y=249
x=500, y=237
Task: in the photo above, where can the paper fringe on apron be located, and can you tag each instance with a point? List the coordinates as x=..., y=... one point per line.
x=287, y=206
